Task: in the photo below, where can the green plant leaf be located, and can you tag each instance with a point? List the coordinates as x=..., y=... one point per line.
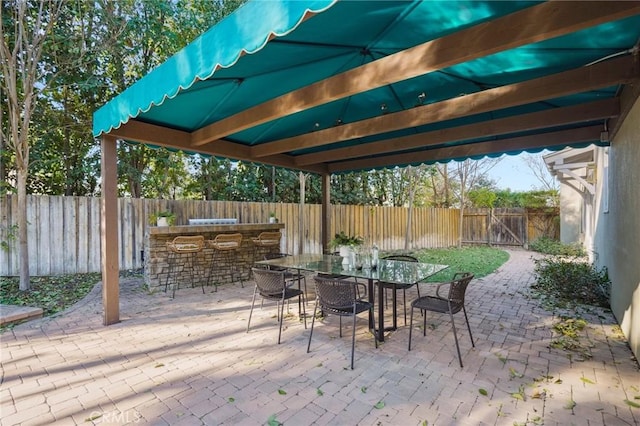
x=585, y=380
x=282, y=392
x=483, y=392
x=319, y=392
x=231, y=399
x=379, y=405
x=272, y=421
x=517, y=395
x=363, y=389
x=513, y=373
x=632, y=404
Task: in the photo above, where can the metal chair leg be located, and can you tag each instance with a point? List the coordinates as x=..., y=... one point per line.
x=251, y=311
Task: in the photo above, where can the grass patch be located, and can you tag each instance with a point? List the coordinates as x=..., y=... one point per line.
x=52, y=293
x=479, y=260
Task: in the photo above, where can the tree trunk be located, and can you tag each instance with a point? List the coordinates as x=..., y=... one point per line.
x=2, y=143
x=412, y=194
x=22, y=230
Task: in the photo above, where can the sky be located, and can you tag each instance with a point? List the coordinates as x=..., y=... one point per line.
x=513, y=173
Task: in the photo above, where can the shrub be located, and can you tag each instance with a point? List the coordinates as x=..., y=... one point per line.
x=548, y=245
x=572, y=280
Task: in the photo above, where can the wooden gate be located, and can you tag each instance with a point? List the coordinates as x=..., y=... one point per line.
x=515, y=227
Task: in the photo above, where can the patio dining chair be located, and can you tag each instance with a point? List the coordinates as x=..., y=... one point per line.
x=451, y=304
x=404, y=287
x=290, y=275
x=271, y=285
x=339, y=297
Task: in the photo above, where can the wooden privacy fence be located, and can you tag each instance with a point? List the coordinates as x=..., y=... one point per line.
x=517, y=226
x=64, y=232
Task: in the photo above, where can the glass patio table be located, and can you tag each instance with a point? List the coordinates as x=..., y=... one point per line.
x=390, y=271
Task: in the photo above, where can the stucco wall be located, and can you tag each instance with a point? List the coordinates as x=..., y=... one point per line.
x=617, y=233
x=570, y=202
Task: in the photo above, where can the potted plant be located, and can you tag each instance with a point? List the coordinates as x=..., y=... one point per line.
x=165, y=218
x=346, y=244
x=272, y=217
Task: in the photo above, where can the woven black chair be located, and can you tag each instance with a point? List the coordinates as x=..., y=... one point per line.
x=336, y=296
x=404, y=287
x=271, y=285
x=290, y=275
x=451, y=304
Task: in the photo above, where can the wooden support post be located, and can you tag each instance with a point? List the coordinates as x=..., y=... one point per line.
x=326, y=212
x=109, y=231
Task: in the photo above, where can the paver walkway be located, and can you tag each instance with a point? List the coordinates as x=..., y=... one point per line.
x=189, y=361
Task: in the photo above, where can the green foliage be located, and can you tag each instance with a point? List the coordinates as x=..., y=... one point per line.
x=11, y=233
x=52, y=294
x=566, y=281
x=570, y=327
x=171, y=217
x=482, y=197
x=548, y=245
x=480, y=261
x=342, y=239
x=527, y=199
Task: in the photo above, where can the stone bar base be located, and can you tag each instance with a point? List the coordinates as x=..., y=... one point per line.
x=156, y=261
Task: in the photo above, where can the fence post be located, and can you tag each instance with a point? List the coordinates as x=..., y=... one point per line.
x=489, y=226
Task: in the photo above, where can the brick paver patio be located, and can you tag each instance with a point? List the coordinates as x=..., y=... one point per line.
x=189, y=361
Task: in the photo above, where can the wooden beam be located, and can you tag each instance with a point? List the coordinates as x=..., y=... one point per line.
x=596, y=110
x=628, y=97
x=534, y=24
x=326, y=212
x=147, y=133
x=109, y=231
x=538, y=141
x=604, y=74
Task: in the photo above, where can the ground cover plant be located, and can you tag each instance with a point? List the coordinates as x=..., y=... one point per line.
x=565, y=281
x=550, y=246
x=51, y=293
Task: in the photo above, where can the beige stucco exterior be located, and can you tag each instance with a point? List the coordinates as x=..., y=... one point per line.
x=600, y=208
x=570, y=214
x=617, y=228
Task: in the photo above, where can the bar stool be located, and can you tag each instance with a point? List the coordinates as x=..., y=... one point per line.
x=225, y=249
x=265, y=243
x=187, y=248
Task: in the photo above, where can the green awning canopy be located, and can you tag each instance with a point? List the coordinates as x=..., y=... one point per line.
x=332, y=86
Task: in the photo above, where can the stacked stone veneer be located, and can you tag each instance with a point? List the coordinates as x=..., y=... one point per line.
x=157, y=260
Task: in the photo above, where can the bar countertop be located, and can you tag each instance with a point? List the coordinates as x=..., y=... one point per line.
x=200, y=229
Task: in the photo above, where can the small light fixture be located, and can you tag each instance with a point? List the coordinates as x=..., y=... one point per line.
x=383, y=108
x=421, y=97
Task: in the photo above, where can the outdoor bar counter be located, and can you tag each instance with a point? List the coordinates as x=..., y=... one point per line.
x=156, y=253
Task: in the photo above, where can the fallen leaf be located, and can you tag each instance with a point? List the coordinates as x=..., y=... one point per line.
x=282, y=392
x=632, y=404
x=379, y=405
x=483, y=392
